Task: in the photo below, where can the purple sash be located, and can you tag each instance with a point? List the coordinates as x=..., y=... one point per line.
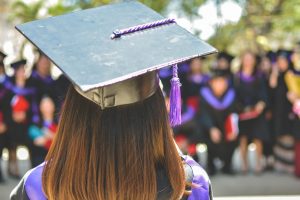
x=219, y=104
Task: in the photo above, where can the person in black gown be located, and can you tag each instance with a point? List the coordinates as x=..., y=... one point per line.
x=282, y=113
x=189, y=133
x=218, y=115
x=23, y=112
x=252, y=101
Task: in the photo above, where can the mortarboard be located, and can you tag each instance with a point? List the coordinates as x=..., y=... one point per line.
x=216, y=73
x=18, y=64
x=225, y=55
x=111, y=53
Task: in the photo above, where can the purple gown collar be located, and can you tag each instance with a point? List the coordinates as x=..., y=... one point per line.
x=17, y=90
x=201, y=190
x=33, y=184
x=47, y=79
x=219, y=104
x=245, y=78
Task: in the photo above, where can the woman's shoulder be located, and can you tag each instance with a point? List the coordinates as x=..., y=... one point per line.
x=201, y=186
x=30, y=187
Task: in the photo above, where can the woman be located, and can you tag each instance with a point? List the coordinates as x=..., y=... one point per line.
x=114, y=138
x=41, y=134
x=251, y=99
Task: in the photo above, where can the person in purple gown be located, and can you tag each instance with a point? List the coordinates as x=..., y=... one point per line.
x=23, y=112
x=219, y=118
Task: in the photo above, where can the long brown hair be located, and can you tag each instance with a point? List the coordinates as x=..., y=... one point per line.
x=113, y=153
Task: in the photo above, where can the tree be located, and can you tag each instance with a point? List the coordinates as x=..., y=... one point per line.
x=264, y=24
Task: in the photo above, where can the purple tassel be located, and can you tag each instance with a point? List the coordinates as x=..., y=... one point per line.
x=175, y=99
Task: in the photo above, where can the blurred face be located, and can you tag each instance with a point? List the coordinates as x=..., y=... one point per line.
x=43, y=66
x=266, y=65
x=47, y=107
x=196, y=66
x=282, y=64
x=248, y=62
x=222, y=63
x=20, y=73
x=219, y=85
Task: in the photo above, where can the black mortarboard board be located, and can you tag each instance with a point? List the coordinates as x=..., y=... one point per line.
x=19, y=63
x=284, y=53
x=216, y=73
x=80, y=44
x=225, y=55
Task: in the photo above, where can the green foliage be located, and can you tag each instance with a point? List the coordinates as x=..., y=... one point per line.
x=264, y=24
x=25, y=12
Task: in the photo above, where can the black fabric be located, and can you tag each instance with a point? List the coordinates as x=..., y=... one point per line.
x=19, y=192
x=215, y=118
x=282, y=108
x=248, y=95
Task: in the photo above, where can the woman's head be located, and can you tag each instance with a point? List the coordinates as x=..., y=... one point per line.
x=47, y=108
x=112, y=153
x=196, y=66
x=248, y=61
x=43, y=65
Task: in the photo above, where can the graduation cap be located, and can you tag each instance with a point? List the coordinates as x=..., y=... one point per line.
x=216, y=73
x=225, y=55
x=284, y=53
x=19, y=63
x=111, y=53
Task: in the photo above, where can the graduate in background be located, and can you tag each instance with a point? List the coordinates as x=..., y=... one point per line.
x=4, y=110
x=41, y=78
x=218, y=115
x=189, y=133
x=252, y=101
x=43, y=133
x=23, y=112
x=282, y=113
x=224, y=63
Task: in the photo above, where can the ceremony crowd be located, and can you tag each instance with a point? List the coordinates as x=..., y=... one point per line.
x=222, y=107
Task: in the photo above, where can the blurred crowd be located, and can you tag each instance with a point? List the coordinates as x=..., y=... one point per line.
x=29, y=109
x=223, y=107
x=230, y=102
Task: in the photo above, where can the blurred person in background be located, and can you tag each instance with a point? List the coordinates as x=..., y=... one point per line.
x=218, y=115
x=252, y=101
x=4, y=110
x=189, y=133
x=41, y=78
x=224, y=63
x=282, y=113
x=268, y=60
x=23, y=112
x=43, y=132
x=293, y=84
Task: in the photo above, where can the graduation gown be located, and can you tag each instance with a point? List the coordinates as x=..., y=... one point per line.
x=30, y=187
x=4, y=112
x=282, y=108
x=250, y=91
x=18, y=131
x=214, y=114
x=43, y=85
